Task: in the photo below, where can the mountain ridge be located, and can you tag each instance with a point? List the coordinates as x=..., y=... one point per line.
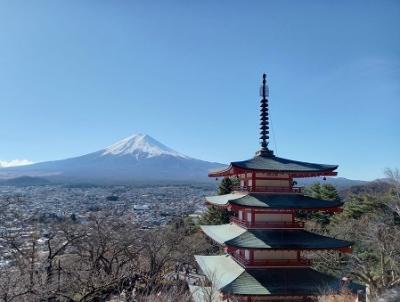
x=138, y=157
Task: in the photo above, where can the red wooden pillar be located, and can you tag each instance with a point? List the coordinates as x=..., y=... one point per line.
x=253, y=181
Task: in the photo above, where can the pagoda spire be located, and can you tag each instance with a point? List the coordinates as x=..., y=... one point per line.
x=264, y=120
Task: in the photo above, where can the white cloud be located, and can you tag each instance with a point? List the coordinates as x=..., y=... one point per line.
x=14, y=163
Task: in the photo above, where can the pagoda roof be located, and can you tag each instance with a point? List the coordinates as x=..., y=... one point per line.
x=231, y=278
x=272, y=201
x=221, y=270
x=236, y=236
x=274, y=164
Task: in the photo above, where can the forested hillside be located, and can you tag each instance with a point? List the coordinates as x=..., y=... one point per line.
x=371, y=220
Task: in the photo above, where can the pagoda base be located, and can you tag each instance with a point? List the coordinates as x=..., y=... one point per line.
x=236, y=283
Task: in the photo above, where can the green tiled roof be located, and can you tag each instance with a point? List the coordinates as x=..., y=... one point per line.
x=273, y=201
x=236, y=236
x=222, y=200
x=269, y=281
x=220, y=270
x=285, y=281
x=223, y=232
x=274, y=163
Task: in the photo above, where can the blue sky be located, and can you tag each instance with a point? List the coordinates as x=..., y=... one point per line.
x=76, y=76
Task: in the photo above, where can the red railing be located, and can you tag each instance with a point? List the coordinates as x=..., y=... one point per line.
x=274, y=262
x=267, y=224
x=269, y=189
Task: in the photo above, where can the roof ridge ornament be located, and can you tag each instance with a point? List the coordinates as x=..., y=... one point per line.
x=264, y=120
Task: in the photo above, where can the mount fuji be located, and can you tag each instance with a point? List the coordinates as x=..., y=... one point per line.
x=136, y=158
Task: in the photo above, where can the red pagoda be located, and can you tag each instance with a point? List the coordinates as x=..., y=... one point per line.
x=264, y=243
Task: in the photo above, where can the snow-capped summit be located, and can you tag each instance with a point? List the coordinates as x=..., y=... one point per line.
x=137, y=158
x=140, y=146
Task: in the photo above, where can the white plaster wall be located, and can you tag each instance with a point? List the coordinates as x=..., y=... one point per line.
x=280, y=175
x=249, y=217
x=247, y=254
x=273, y=217
x=274, y=255
x=273, y=182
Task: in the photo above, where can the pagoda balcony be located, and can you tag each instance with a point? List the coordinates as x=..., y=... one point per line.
x=269, y=189
x=271, y=262
x=267, y=224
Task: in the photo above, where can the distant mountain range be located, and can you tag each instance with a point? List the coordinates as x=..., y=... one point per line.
x=23, y=181
x=340, y=183
x=136, y=158
x=379, y=186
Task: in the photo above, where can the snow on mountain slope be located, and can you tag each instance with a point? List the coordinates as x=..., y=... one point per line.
x=136, y=158
x=140, y=146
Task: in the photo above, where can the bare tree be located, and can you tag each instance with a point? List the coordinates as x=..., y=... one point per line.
x=394, y=178
x=376, y=254
x=207, y=288
x=106, y=257
x=392, y=295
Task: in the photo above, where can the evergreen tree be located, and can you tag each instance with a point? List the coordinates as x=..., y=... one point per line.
x=359, y=205
x=329, y=192
x=314, y=190
x=215, y=215
x=324, y=192
x=218, y=215
x=226, y=186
